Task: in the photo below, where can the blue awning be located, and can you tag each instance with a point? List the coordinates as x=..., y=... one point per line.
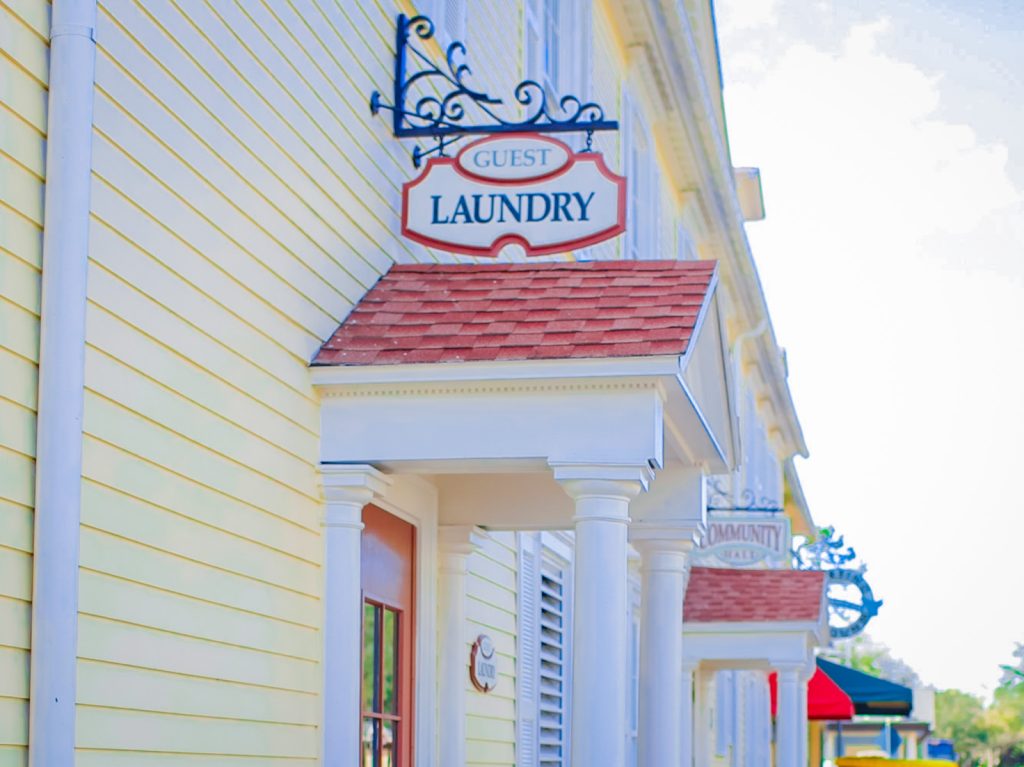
x=870, y=695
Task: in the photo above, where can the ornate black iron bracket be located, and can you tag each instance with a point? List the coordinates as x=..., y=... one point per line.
x=432, y=101
x=719, y=499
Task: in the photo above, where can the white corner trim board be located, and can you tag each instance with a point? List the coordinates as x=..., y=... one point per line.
x=61, y=384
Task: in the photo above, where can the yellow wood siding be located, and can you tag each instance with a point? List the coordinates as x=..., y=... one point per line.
x=491, y=609
x=24, y=27
x=242, y=201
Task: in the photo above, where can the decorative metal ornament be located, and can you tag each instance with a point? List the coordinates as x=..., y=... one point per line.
x=848, y=617
x=849, y=613
x=438, y=101
x=720, y=499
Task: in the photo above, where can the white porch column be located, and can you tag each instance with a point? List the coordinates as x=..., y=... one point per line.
x=664, y=566
x=600, y=624
x=788, y=729
x=911, y=745
x=346, y=489
x=703, y=697
x=803, y=726
x=686, y=728
x=455, y=544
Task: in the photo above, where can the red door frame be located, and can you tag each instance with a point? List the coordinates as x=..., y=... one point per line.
x=388, y=579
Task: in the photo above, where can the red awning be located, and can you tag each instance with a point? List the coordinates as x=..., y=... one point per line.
x=825, y=699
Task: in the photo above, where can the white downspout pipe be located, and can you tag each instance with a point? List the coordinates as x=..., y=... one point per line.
x=61, y=385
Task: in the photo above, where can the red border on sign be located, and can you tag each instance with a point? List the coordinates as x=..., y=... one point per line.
x=563, y=168
x=515, y=239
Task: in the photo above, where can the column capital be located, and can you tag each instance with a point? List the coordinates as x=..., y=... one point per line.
x=566, y=471
x=346, y=488
x=665, y=535
x=460, y=539
x=690, y=666
x=798, y=669
x=617, y=482
x=351, y=482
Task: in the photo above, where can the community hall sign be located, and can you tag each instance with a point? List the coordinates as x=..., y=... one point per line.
x=524, y=189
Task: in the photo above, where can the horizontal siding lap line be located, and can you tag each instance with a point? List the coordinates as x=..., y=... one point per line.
x=20, y=214
x=297, y=164
x=296, y=759
x=216, y=227
x=39, y=26
x=510, y=568
x=33, y=311
x=260, y=318
x=34, y=173
x=263, y=367
x=349, y=285
x=21, y=68
x=15, y=451
x=18, y=405
x=200, y=370
x=181, y=715
x=198, y=405
x=28, y=487
x=24, y=95
x=11, y=254
x=348, y=69
x=229, y=200
x=301, y=48
x=194, y=442
x=210, y=488
x=243, y=146
x=203, y=523
x=481, y=601
x=205, y=640
x=358, y=143
x=486, y=740
x=488, y=717
x=288, y=91
x=197, y=677
x=486, y=582
x=190, y=597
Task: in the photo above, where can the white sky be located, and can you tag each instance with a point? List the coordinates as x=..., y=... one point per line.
x=892, y=155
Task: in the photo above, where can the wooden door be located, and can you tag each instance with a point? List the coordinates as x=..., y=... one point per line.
x=388, y=559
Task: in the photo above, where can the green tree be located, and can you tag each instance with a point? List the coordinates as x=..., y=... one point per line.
x=958, y=717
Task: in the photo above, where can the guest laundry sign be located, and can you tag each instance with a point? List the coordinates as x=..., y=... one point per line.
x=522, y=189
x=745, y=540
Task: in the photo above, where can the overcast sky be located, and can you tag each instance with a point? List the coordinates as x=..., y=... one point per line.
x=890, y=136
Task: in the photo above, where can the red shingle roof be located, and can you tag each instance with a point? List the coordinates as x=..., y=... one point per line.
x=715, y=595
x=455, y=313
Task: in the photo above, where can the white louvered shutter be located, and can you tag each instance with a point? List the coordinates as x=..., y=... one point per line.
x=553, y=665
x=528, y=652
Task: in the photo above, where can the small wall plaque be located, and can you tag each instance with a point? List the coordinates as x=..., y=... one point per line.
x=483, y=665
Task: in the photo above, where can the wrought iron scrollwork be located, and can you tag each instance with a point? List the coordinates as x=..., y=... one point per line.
x=720, y=499
x=438, y=101
x=829, y=552
x=825, y=552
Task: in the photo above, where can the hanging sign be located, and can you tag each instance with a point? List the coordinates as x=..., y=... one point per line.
x=519, y=188
x=745, y=540
x=483, y=666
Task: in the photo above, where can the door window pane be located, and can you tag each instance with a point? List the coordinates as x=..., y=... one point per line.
x=371, y=658
x=389, y=662
x=389, y=745
x=371, y=742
